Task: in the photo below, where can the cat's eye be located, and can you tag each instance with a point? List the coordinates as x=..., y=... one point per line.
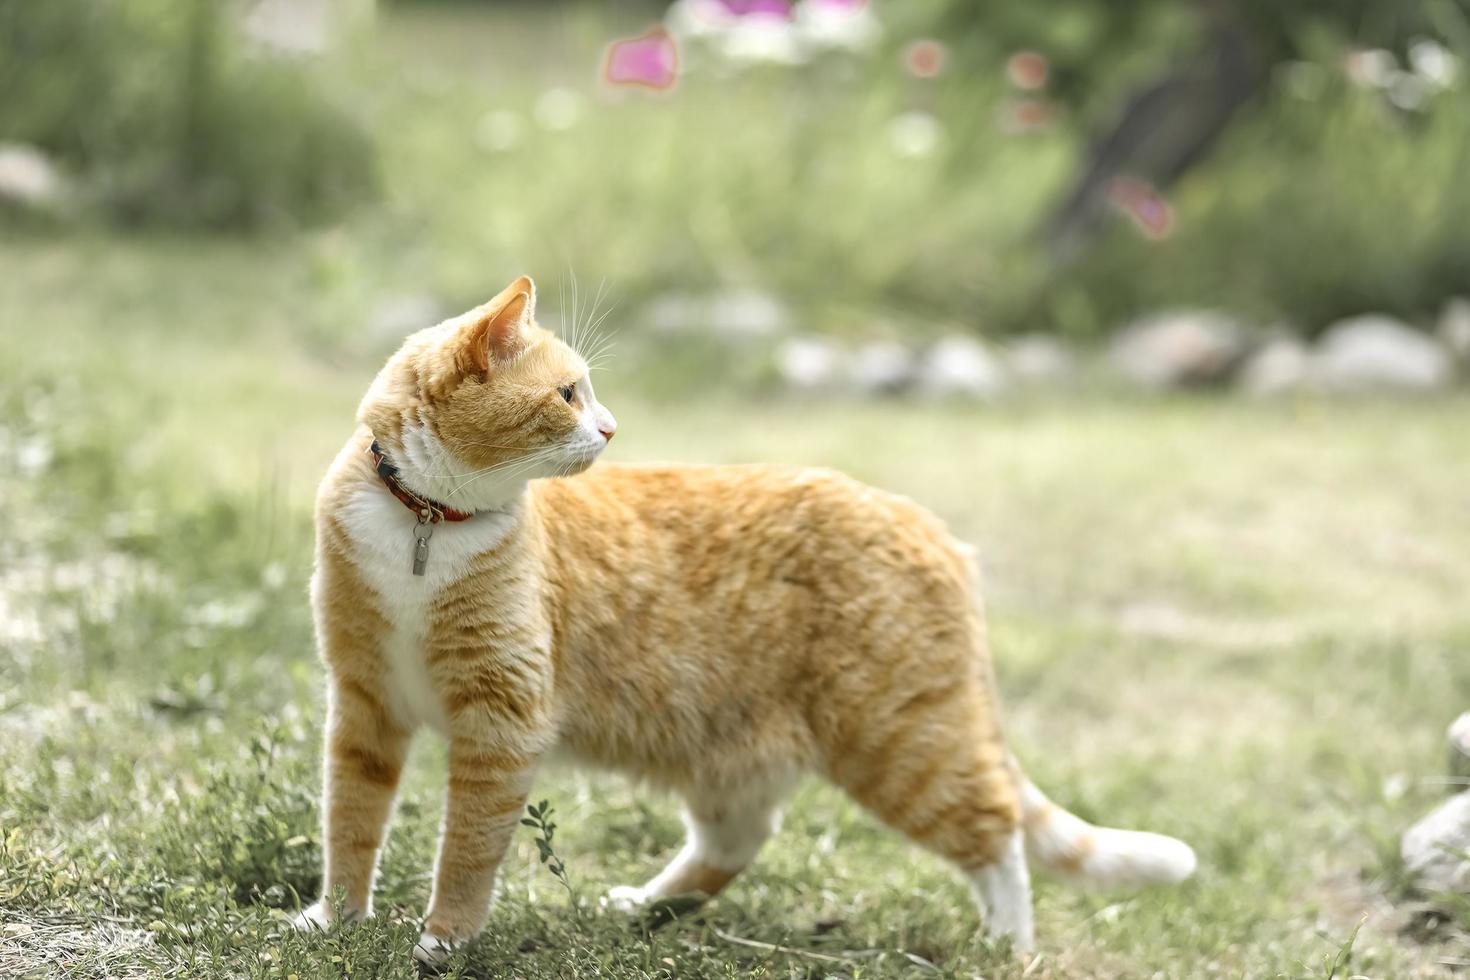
x=567, y=393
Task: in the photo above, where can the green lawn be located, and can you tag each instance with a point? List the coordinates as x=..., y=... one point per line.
x=1231, y=622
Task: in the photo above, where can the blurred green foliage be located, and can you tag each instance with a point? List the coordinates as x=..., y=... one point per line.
x=1313, y=209
x=168, y=119
x=1097, y=48
x=1319, y=199
x=1323, y=200
x=494, y=151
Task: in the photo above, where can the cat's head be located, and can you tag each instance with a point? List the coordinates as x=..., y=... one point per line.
x=473, y=408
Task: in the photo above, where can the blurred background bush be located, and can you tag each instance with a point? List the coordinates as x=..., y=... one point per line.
x=936, y=165
x=160, y=109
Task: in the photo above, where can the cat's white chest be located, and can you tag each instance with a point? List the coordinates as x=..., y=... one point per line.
x=381, y=530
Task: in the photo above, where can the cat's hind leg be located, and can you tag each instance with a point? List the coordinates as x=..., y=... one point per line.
x=933, y=765
x=1003, y=890
x=725, y=831
x=977, y=828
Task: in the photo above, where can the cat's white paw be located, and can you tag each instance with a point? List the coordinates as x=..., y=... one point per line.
x=625, y=898
x=315, y=917
x=431, y=950
x=319, y=917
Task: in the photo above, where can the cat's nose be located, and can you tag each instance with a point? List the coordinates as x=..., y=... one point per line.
x=607, y=426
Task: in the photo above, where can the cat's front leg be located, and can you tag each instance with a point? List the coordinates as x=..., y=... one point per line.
x=364, y=756
x=489, y=782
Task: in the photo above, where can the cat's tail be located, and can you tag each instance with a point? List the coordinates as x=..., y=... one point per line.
x=1069, y=846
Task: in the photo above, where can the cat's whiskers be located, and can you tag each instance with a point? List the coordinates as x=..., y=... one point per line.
x=512, y=473
x=520, y=464
x=443, y=472
x=469, y=476
x=603, y=347
x=592, y=318
x=568, y=320
x=589, y=336
x=561, y=306
x=513, y=449
x=582, y=332
x=600, y=355
x=576, y=305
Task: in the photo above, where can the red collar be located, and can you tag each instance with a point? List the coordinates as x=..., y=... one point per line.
x=421, y=506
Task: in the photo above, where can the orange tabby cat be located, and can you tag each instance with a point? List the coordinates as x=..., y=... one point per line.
x=716, y=630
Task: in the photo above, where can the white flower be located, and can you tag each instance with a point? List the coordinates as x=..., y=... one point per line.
x=753, y=32
x=762, y=38
x=1434, y=63
x=273, y=575
x=698, y=18
x=838, y=24
x=33, y=455
x=1371, y=68
x=807, y=363
x=914, y=134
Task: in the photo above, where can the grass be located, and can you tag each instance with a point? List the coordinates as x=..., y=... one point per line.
x=1228, y=621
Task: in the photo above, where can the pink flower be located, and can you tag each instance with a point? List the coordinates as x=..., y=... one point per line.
x=925, y=59
x=1027, y=116
x=1027, y=70
x=1138, y=199
x=650, y=60
x=1371, y=68
x=757, y=8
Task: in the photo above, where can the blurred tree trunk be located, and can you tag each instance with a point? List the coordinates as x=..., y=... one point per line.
x=1165, y=128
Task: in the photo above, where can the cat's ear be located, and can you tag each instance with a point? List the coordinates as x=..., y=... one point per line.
x=498, y=331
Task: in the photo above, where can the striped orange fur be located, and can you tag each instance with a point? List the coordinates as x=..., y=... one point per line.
x=718, y=631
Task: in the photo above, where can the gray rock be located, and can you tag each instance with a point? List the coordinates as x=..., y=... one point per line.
x=1459, y=738
x=810, y=364
x=673, y=313
x=1378, y=353
x=1040, y=359
x=962, y=366
x=28, y=177
x=734, y=315
x=1179, y=349
x=1432, y=849
x=884, y=367
x=747, y=313
x=1454, y=328
x=1281, y=365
